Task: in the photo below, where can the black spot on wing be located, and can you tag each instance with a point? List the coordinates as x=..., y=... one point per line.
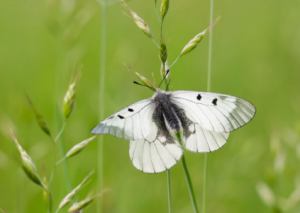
x=130, y=110
x=120, y=116
x=111, y=117
x=199, y=97
x=215, y=101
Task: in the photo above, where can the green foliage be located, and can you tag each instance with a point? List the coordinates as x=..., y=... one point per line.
x=255, y=56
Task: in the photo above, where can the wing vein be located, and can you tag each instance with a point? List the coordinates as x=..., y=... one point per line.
x=232, y=114
x=159, y=155
x=206, y=140
x=226, y=118
x=217, y=118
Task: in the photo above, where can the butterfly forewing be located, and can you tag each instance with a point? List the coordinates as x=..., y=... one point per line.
x=205, y=120
x=131, y=123
x=215, y=112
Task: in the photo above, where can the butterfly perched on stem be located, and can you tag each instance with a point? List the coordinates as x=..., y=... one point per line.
x=158, y=127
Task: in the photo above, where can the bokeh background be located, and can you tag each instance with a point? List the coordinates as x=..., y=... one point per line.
x=256, y=51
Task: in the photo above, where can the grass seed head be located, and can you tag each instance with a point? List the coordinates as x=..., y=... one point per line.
x=196, y=40
x=79, y=147
x=69, y=101
x=80, y=205
x=28, y=165
x=39, y=118
x=144, y=80
x=163, y=53
x=193, y=43
x=139, y=22
x=69, y=98
x=67, y=199
x=164, y=8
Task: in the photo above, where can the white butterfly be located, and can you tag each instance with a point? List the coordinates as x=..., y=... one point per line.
x=157, y=126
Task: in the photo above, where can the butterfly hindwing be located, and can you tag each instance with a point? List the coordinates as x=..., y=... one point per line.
x=157, y=152
x=202, y=140
x=215, y=112
x=131, y=123
x=195, y=138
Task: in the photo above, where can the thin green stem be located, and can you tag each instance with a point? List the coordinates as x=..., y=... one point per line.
x=54, y=162
x=210, y=46
x=161, y=28
x=208, y=89
x=60, y=69
x=204, y=184
x=101, y=105
x=157, y=12
x=64, y=164
x=189, y=184
x=169, y=190
x=60, y=132
x=154, y=42
x=175, y=61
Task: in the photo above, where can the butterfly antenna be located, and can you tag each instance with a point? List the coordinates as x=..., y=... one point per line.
x=164, y=78
x=168, y=85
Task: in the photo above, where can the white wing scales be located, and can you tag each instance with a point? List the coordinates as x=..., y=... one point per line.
x=155, y=153
x=130, y=123
x=207, y=119
x=201, y=140
x=215, y=112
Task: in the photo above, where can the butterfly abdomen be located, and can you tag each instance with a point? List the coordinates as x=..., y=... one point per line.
x=168, y=111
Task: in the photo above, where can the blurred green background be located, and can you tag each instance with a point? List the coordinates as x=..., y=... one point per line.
x=256, y=51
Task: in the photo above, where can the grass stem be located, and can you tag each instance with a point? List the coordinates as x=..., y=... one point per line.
x=175, y=61
x=204, y=184
x=208, y=89
x=157, y=12
x=189, y=184
x=154, y=42
x=60, y=70
x=101, y=105
x=60, y=132
x=64, y=163
x=169, y=190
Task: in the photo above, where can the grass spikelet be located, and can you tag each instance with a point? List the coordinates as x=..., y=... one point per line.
x=79, y=147
x=39, y=118
x=193, y=43
x=84, y=203
x=139, y=22
x=69, y=98
x=28, y=165
x=196, y=40
x=164, y=8
x=144, y=80
x=163, y=53
x=71, y=195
